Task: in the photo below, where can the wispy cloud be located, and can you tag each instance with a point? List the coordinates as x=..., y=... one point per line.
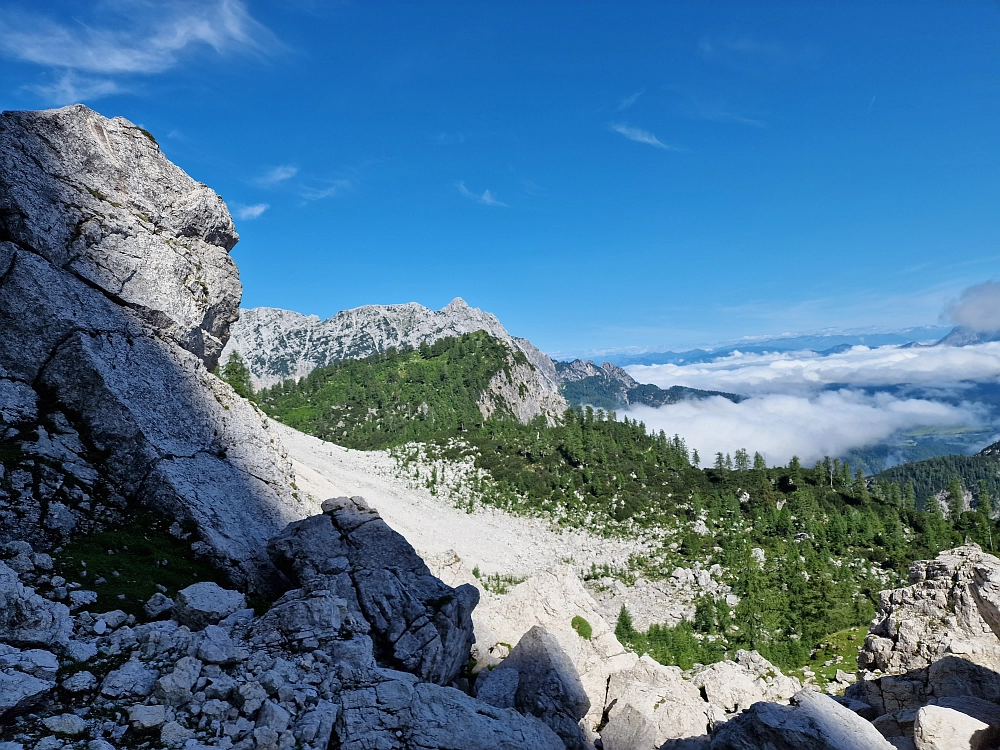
x=978, y=307
x=723, y=116
x=628, y=101
x=133, y=38
x=278, y=174
x=327, y=189
x=742, y=44
x=642, y=136
x=250, y=212
x=487, y=198
x=72, y=87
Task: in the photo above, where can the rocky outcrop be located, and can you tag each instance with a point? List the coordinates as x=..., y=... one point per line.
x=813, y=721
x=309, y=673
x=930, y=640
x=117, y=291
x=417, y=623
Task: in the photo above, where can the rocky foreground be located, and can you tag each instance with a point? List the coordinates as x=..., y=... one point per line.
x=116, y=297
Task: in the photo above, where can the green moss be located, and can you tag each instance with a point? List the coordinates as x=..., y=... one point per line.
x=582, y=627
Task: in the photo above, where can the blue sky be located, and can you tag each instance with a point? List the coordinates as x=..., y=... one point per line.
x=599, y=175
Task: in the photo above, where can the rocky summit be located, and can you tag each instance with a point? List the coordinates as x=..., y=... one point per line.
x=308, y=624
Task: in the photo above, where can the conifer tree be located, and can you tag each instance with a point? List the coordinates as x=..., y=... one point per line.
x=955, y=500
x=237, y=374
x=910, y=496
x=984, y=504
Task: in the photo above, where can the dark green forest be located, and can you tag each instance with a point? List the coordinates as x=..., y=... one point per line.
x=934, y=475
x=807, y=549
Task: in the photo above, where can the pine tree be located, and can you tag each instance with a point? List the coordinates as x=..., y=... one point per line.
x=984, y=504
x=956, y=502
x=237, y=374
x=860, y=488
x=759, y=464
x=695, y=459
x=909, y=496
x=720, y=461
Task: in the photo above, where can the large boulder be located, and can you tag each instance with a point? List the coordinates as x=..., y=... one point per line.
x=418, y=624
x=929, y=640
x=117, y=292
x=813, y=722
x=549, y=687
x=206, y=603
x=958, y=724
x=552, y=599
x=26, y=619
x=650, y=705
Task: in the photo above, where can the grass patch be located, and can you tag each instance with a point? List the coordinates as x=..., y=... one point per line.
x=143, y=554
x=582, y=627
x=840, y=649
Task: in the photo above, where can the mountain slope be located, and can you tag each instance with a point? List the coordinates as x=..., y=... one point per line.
x=280, y=344
x=610, y=387
x=932, y=476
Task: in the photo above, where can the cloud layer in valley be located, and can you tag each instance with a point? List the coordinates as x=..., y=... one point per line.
x=805, y=404
x=807, y=372
x=810, y=427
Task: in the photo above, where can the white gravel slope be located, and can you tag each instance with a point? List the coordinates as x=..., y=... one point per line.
x=495, y=541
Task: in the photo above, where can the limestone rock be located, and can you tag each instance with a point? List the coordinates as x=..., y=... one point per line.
x=144, y=718
x=117, y=291
x=417, y=623
x=941, y=728
x=650, y=705
x=28, y=619
x=131, y=679
x=206, y=603
x=69, y=725
x=736, y=685
x=19, y=691
x=813, y=722
x=158, y=606
x=929, y=640
x=430, y=716
x=175, y=689
x=551, y=599
x=498, y=687
x=549, y=687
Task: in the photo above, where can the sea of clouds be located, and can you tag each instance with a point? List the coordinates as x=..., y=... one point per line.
x=805, y=404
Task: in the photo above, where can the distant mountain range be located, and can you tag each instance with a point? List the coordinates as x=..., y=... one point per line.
x=823, y=344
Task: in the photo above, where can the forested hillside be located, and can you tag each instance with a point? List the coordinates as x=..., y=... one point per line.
x=806, y=550
x=935, y=475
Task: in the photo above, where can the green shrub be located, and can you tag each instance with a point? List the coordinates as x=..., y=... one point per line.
x=582, y=627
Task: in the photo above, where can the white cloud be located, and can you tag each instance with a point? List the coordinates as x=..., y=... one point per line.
x=806, y=372
x=328, y=189
x=642, y=136
x=628, y=101
x=70, y=88
x=978, y=307
x=250, y=212
x=487, y=198
x=278, y=174
x=780, y=426
x=132, y=37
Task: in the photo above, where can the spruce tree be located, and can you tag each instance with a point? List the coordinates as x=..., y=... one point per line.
x=237, y=374
x=984, y=504
x=956, y=502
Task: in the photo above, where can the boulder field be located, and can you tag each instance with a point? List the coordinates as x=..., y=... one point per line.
x=322, y=627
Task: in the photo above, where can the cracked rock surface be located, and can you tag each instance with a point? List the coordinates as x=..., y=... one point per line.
x=117, y=292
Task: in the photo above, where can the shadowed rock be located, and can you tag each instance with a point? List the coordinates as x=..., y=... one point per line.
x=418, y=624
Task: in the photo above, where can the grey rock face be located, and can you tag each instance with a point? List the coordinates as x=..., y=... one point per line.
x=98, y=198
x=498, y=687
x=418, y=623
x=929, y=640
x=26, y=619
x=814, y=722
x=549, y=686
x=206, y=603
x=19, y=691
x=116, y=290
